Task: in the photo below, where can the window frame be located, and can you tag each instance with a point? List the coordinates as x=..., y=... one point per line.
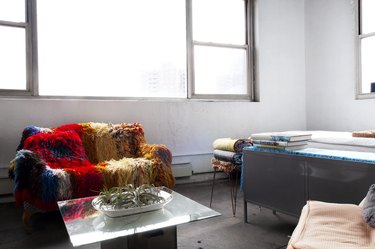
x=31, y=43
x=249, y=47
x=359, y=37
x=29, y=26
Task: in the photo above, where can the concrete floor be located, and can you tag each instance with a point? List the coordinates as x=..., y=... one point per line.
x=264, y=230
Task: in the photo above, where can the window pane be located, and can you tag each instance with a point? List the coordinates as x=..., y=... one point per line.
x=112, y=48
x=12, y=10
x=221, y=21
x=368, y=62
x=13, y=58
x=367, y=16
x=220, y=70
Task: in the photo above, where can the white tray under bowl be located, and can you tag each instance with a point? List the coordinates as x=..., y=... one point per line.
x=115, y=212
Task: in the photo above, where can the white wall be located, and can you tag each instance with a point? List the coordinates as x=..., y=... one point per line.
x=331, y=68
x=189, y=127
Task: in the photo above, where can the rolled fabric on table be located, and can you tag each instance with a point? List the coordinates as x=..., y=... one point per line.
x=366, y=134
x=224, y=144
x=230, y=144
x=228, y=156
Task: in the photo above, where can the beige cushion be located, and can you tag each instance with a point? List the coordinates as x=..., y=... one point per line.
x=332, y=226
x=362, y=202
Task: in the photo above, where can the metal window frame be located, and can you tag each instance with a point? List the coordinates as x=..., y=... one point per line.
x=359, y=38
x=29, y=26
x=31, y=43
x=248, y=47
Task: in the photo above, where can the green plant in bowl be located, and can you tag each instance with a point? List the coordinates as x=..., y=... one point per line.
x=129, y=196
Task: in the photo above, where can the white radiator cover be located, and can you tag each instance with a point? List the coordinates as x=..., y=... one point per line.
x=6, y=184
x=182, y=169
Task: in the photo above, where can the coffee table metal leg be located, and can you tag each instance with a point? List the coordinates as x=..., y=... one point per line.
x=120, y=242
x=165, y=238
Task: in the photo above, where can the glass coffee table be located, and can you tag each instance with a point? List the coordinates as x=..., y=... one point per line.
x=154, y=229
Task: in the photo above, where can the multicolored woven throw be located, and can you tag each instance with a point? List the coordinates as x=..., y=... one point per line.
x=79, y=160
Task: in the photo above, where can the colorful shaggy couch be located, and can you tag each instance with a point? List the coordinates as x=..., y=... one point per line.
x=79, y=160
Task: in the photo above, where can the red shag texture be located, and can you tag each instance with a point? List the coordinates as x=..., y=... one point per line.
x=70, y=127
x=86, y=181
x=60, y=149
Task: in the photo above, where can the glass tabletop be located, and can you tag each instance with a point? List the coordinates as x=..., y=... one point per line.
x=86, y=225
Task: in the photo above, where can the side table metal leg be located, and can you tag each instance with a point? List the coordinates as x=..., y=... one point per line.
x=213, y=184
x=233, y=193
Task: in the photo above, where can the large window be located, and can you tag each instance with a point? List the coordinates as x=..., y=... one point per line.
x=366, y=86
x=112, y=48
x=133, y=49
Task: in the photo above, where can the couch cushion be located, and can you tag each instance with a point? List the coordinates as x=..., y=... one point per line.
x=125, y=171
x=103, y=141
x=329, y=225
x=59, y=149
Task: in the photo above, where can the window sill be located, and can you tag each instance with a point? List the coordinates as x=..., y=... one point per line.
x=149, y=99
x=365, y=96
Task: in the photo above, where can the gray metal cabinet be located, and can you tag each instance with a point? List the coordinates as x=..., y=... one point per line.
x=284, y=182
x=338, y=181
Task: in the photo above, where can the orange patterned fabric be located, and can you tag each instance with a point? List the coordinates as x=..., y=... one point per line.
x=368, y=134
x=222, y=165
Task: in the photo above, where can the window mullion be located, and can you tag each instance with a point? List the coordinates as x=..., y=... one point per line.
x=189, y=49
x=359, y=17
x=249, y=12
x=32, y=48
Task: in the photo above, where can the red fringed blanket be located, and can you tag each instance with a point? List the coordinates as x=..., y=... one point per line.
x=79, y=160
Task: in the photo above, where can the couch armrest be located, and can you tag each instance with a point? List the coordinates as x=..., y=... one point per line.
x=161, y=164
x=156, y=151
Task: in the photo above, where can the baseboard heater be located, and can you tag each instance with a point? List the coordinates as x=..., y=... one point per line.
x=182, y=169
x=6, y=185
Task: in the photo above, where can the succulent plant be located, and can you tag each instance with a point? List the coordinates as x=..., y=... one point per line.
x=129, y=196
